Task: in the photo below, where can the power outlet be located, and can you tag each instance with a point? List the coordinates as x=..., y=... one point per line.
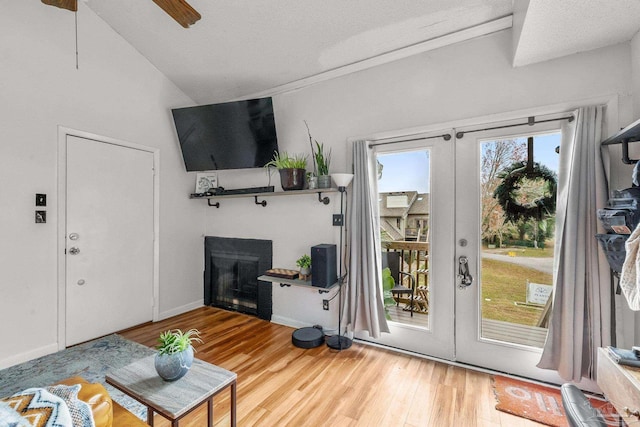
x=325, y=304
x=338, y=219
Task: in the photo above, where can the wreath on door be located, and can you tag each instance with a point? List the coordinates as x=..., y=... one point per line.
x=506, y=192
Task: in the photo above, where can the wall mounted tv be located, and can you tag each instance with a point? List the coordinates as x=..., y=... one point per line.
x=230, y=135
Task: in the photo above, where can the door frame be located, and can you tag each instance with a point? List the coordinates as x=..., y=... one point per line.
x=63, y=132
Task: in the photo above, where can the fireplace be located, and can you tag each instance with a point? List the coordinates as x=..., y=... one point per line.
x=231, y=271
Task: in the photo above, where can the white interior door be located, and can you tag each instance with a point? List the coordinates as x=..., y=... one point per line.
x=109, y=238
x=430, y=329
x=496, y=317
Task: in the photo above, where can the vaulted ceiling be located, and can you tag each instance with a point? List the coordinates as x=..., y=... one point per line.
x=242, y=48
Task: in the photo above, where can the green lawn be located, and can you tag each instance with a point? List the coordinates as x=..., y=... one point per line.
x=503, y=284
x=547, y=252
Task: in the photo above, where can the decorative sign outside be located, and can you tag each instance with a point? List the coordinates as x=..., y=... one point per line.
x=537, y=293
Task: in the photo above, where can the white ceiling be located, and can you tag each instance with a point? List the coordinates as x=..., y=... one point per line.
x=555, y=28
x=245, y=47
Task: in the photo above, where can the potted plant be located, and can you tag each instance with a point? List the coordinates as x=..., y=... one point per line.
x=322, y=161
x=175, y=353
x=292, y=169
x=304, y=262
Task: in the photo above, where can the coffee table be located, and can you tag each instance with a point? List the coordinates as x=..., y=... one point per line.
x=173, y=400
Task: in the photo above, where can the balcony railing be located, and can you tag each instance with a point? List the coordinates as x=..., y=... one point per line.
x=414, y=257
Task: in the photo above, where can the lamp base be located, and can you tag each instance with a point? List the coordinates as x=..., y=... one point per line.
x=338, y=342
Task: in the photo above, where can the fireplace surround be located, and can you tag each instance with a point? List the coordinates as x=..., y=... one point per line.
x=232, y=267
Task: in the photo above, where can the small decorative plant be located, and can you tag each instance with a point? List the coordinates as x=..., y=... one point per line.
x=176, y=341
x=292, y=169
x=323, y=160
x=304, y=261
x=285, y=161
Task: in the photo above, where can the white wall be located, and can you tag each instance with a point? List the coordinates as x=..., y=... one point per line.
x=119, y=94
x=115, y=93
x=635, y=74
x=463, y=81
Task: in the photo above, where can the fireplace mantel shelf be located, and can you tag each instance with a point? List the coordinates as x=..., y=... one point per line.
x=295, y=282
x=325, y=200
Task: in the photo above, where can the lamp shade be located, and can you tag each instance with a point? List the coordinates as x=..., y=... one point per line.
x=342, y=179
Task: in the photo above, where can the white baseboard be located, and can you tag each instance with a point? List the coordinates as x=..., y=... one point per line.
x=285, y=321
x=179, y=310
x=29, y=355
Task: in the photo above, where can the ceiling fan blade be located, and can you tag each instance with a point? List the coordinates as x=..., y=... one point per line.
x=179, y=10
x=71, y=5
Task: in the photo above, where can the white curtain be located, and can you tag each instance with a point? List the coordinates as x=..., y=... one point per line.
x=364, y=307
x=582, y=300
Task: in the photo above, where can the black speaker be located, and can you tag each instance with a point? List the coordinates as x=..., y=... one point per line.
x=323, y=265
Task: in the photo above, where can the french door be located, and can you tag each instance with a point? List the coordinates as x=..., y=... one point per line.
x=504, y=265
x=487, y=279
x=429, y=254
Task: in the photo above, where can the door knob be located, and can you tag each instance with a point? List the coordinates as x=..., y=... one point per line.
x=81, y=282
x=74, y=236
x=74, y=251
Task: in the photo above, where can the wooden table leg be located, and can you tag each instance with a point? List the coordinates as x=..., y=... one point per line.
x=233, y=404
x=149, y=416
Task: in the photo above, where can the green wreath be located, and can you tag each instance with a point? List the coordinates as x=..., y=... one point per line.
x=511, y=179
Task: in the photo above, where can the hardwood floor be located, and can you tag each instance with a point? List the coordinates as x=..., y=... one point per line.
x=282, y=385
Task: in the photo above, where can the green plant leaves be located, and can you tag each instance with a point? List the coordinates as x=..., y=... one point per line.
x=176, y=341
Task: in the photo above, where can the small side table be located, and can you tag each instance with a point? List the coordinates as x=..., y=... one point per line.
x=174, y=400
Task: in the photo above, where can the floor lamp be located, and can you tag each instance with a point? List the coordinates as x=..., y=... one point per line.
x=338, y=342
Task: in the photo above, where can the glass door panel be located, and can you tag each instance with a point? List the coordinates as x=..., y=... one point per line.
x=505, y=221
x=415, y=199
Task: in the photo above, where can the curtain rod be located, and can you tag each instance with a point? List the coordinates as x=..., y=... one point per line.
x=446, y=137
x=460, y=134
x=531, y=121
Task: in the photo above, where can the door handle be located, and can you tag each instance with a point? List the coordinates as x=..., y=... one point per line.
x=464, y=277
x=74, y=251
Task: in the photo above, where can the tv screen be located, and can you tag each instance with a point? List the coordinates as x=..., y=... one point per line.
x=230, y=135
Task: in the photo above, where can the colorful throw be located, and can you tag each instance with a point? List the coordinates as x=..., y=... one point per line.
x=39, y=408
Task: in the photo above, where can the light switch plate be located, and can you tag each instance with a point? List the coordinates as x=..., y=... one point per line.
x=41, y=199
x=41, y=217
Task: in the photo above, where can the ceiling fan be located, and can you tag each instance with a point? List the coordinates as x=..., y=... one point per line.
x=179, y=10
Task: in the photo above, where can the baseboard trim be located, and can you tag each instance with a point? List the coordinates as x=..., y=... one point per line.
x=180, y=310
x=29, y=355
x=286, y=321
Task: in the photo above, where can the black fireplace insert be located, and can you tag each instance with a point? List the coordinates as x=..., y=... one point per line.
x=232, y=267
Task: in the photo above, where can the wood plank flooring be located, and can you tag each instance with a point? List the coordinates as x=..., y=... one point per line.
x=282, y=385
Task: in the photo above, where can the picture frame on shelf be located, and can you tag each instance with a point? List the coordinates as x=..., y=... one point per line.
x=206, y=181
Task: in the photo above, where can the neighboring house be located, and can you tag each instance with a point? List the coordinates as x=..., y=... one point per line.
x=404, y=215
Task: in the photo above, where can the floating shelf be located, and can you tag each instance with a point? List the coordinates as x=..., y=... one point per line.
x=319, y=191
x=295, y=282
x=629, y=134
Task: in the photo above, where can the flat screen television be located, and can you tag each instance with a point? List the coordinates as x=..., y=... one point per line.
x=230, y=135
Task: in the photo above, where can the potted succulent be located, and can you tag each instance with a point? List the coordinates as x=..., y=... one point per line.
x=175, y=353
x=304, y=262
x=292, y=169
